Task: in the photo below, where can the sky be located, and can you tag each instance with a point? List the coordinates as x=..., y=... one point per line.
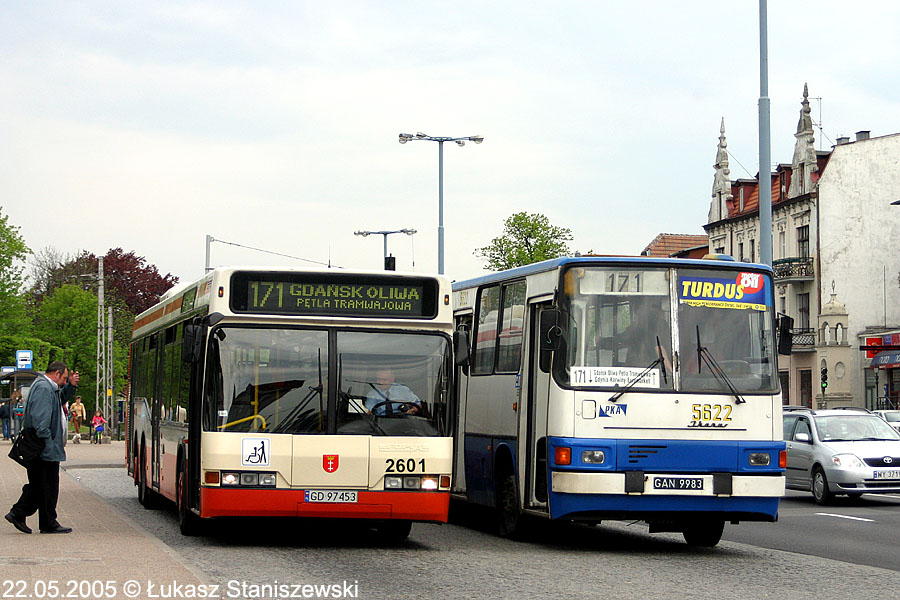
x=274, y=125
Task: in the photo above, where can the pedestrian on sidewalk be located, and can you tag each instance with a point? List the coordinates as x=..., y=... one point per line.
x=78, y=412
x=5, y=414
x=41, y=493
x=97, y=424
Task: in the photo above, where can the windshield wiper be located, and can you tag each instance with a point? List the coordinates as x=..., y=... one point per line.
x=297, y=411
x=636, y=379
x=354, y=401
x=661, y=360
x=704, y=355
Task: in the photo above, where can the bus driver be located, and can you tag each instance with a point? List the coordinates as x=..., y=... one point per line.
x=387, y=397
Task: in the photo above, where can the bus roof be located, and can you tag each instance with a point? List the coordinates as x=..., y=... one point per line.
x=555, y=263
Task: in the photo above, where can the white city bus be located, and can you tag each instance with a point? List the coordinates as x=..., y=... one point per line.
x=621, y=388
x=254, y=392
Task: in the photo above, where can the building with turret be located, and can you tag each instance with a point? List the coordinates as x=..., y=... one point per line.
x=836, y=257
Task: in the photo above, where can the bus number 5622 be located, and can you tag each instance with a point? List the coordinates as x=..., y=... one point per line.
x=399, y=465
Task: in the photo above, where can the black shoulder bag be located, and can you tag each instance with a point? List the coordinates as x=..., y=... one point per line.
x=27, y=447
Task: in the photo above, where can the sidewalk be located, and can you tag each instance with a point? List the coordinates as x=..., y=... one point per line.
x=104, y=546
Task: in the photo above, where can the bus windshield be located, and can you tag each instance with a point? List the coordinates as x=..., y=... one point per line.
x=313, y=381
x=725, y=317
x=620, y=330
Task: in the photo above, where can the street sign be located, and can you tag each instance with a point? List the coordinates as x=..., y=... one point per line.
x=23, y=359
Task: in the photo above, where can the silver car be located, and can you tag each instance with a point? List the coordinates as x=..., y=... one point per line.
x=891, y=416
x=841, y=452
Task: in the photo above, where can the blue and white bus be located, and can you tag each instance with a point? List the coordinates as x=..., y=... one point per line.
x=600, y=388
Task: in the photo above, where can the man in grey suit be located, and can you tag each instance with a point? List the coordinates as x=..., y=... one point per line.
x=41, y=493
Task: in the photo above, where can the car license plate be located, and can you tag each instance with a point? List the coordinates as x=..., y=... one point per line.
x=895, y=474
x=331, y=496
x=677, y=483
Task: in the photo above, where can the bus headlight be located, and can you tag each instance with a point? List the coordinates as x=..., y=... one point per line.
x=416, y=482
x=248, y=479
x=596, y=457
x=760, y=459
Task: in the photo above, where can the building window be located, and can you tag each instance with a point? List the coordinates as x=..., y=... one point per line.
x=741, y=196
x=752, y=250
x=803, y=241
x=781, y=238
x=741, y=251
x=719, y=250
x=803, y=310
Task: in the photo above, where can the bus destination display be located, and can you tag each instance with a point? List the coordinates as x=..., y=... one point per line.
x=333, y=295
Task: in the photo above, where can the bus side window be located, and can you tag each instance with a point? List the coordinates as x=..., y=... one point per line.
x=511, y=333
x=485, y=342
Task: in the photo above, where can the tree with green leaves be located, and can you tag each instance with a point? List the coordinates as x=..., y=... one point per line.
x=13, y=251
x=527, y=238
x=68, y=318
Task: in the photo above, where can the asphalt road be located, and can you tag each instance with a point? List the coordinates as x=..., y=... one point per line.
x=862, y=531
x=466, y=560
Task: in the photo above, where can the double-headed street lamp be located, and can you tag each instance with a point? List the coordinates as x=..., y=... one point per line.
x=460, y=141
x=385, y=234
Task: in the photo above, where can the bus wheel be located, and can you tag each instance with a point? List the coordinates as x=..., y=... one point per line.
x=146, y=496
x=508, y=514
x=394, y=531
x=704, y=533
x=188, y=522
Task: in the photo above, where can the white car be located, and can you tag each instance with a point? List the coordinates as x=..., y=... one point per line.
x=891, y=416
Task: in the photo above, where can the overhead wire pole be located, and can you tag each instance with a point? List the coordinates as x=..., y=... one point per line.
x=210, y=239
x=99, y=400
x=765, y=175
x=385, y=234
x=460, y=141
x=111, y=414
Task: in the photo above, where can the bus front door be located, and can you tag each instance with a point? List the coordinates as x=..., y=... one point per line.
x=535, y=418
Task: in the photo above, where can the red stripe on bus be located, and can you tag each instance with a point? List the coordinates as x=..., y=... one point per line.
x=173, y=306
x=149, y=318
x=415, y=506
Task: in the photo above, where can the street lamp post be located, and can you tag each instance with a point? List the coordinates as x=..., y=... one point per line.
x=385, y=234
x=460, y=141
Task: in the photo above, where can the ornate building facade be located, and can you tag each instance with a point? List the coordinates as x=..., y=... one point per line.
x=834, y=235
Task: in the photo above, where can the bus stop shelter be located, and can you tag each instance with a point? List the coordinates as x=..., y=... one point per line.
x=16, y=380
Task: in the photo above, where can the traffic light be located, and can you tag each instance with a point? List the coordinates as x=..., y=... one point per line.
x=824, y=377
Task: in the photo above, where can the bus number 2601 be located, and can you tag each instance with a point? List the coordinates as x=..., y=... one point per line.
x=399, y=465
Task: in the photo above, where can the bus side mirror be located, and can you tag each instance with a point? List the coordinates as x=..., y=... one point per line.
x=550, y=337
x=785, y=337
x=191, y=343
x=551, y=334
x=461, y=348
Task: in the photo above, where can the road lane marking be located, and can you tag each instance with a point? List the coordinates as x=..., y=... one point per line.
x=845, y=517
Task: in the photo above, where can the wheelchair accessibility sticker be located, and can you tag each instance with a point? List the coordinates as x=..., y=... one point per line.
x=255, y=452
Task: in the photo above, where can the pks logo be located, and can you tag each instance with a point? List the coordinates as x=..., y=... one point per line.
x=330, y=462
x=612, y=410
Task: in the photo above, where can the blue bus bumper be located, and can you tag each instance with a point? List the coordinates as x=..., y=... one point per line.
x=665, y=479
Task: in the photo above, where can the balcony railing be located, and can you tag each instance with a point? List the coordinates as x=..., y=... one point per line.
x=803, y=338
x=800, y=267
